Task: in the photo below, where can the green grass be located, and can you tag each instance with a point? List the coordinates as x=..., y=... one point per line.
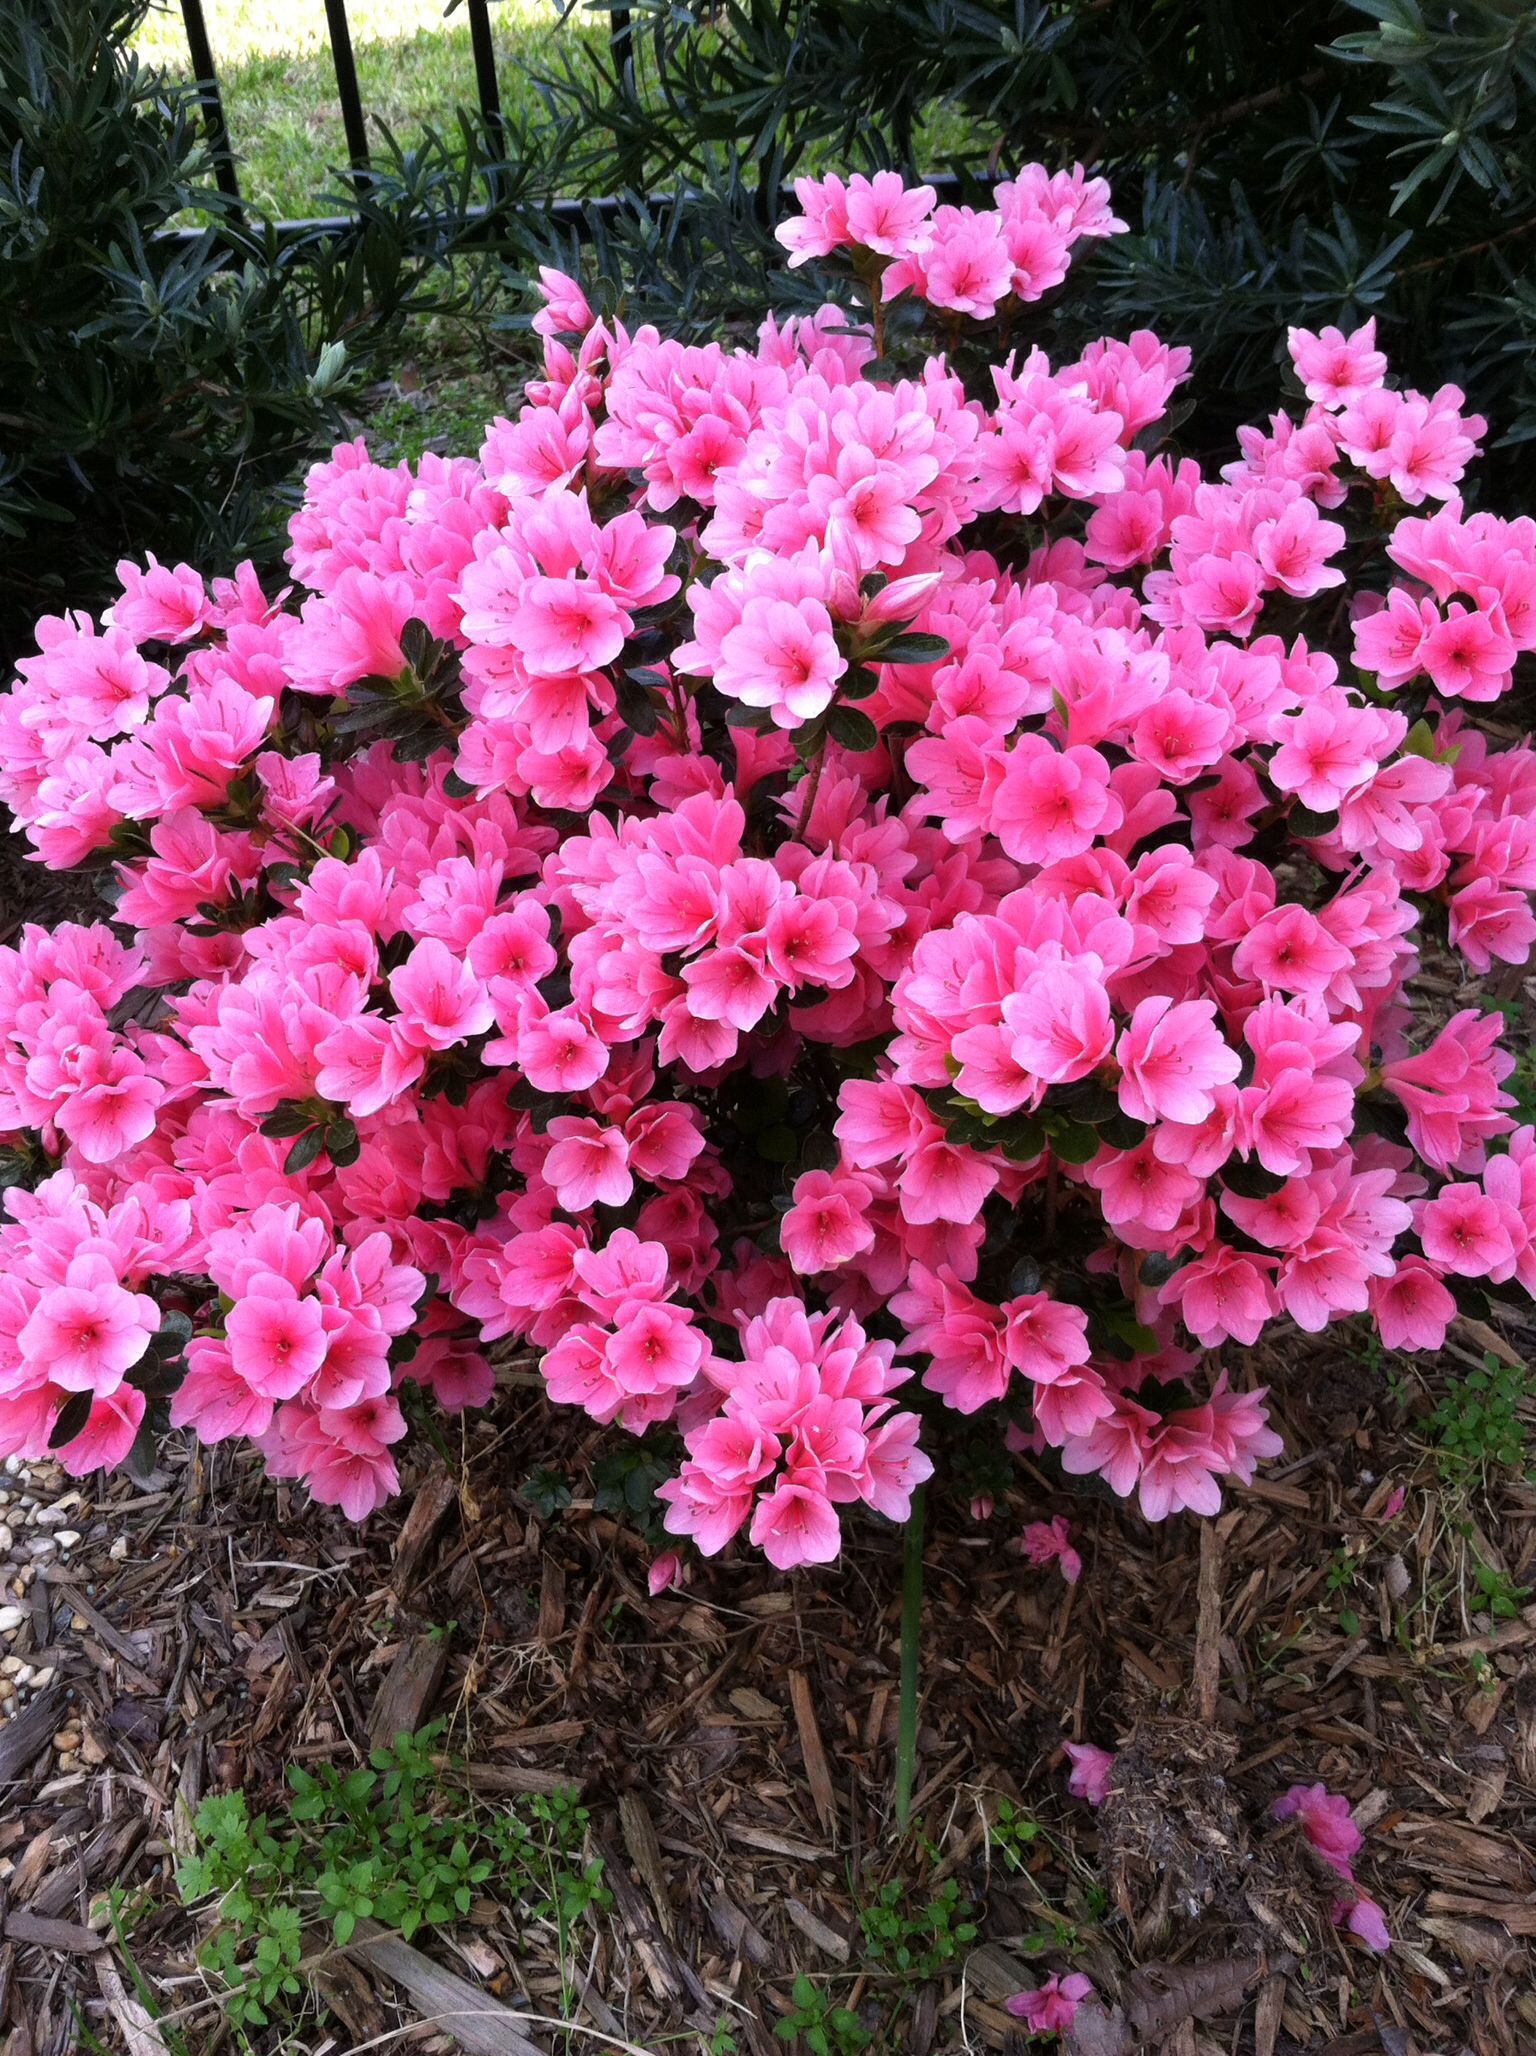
x=414, y=69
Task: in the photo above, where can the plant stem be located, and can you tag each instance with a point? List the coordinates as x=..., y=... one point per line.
x=808, y=800
x=911, y=1634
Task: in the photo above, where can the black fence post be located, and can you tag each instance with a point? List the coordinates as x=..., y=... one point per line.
x=621, y=43
x=200, y=50
x=490, y=95
x=346, y=84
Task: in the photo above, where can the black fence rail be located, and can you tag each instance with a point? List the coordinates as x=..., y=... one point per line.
x=354, y=118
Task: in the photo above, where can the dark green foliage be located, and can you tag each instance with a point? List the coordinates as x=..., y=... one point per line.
x=1312, y=162
x=154, y=387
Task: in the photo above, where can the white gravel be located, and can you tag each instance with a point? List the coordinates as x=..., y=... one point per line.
x=45, y=1518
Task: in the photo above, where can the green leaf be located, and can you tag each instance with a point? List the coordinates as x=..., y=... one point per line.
x=758, y=719
x=636, y=708
x=913, y=648
x=1305, y=821
x=1073, y=1142
x=305, y=1150
x=286, y=1120
x=72, y=1417
x=342, y=1145
x=855, y=731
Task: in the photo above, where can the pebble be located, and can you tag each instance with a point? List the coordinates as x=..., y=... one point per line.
x=44, y=1516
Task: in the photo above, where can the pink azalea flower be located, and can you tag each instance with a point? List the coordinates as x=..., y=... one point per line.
x=1092, y=1769
x=1046, y=1542
x=1325, y=1822
x=1172, y=1058
x=1051, y=2008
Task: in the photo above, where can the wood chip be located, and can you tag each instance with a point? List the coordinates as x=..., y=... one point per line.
x=435, y=1497
x=826, y=1939
x=33, y=1930
x=1516, y=1916
x=24, y=1738
x=736, y=1930
x=464, y=2012
x=414, y=1681
x=1207, y=1666
x=818, y=1775
x=552, y=1601
x=141, y=2036
x=639, y=1832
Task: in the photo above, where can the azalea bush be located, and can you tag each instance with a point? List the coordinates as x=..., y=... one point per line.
x=813, y=887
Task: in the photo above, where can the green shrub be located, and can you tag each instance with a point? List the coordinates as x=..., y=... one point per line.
x=1314, y=162
x=154, y=387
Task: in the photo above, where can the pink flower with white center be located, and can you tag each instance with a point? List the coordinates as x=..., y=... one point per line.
x=558, y=1052
x=1052, y=803
x=588, y=1164
x=1467, y=656
x=440, y=1000
x=1059, y=1023
x=1336, y=369
x=87, y=1331
x=565, y=625
x=161, y=604
x=886, y=215
x=1172, y=1060
x=828, y=1223
x=1390, y=641
x=796, y=1524
x=1046, y=1542
x=782, y=655
x=1223, y=1295
x=1325, y=1822
x=822, y=224
x=1412, y=1309
x=1051, y=2008
x=277, y=1337
x=1092, y=1769
x=1464, y=1231
x=1290, y=950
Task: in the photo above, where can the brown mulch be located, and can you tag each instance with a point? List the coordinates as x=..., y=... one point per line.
x=735, y=1742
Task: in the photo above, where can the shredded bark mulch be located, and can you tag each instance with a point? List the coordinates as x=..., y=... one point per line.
x=735, y=1743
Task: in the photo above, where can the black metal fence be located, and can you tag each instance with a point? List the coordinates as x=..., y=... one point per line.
x=353, y=116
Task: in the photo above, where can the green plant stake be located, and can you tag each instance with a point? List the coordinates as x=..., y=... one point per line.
x=911, y=1631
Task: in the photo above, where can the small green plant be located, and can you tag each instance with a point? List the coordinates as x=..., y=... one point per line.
x=823, y=2029
x=547, y=1491
x=370, y=1844
x=1497, y=1592
x=1478, y=1424
x=1342, y=1568
x=1011, y=1834
x=916, y=1942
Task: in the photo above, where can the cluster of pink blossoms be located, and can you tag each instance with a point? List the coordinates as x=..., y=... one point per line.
x=717, y=894
x=1333, y=1837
